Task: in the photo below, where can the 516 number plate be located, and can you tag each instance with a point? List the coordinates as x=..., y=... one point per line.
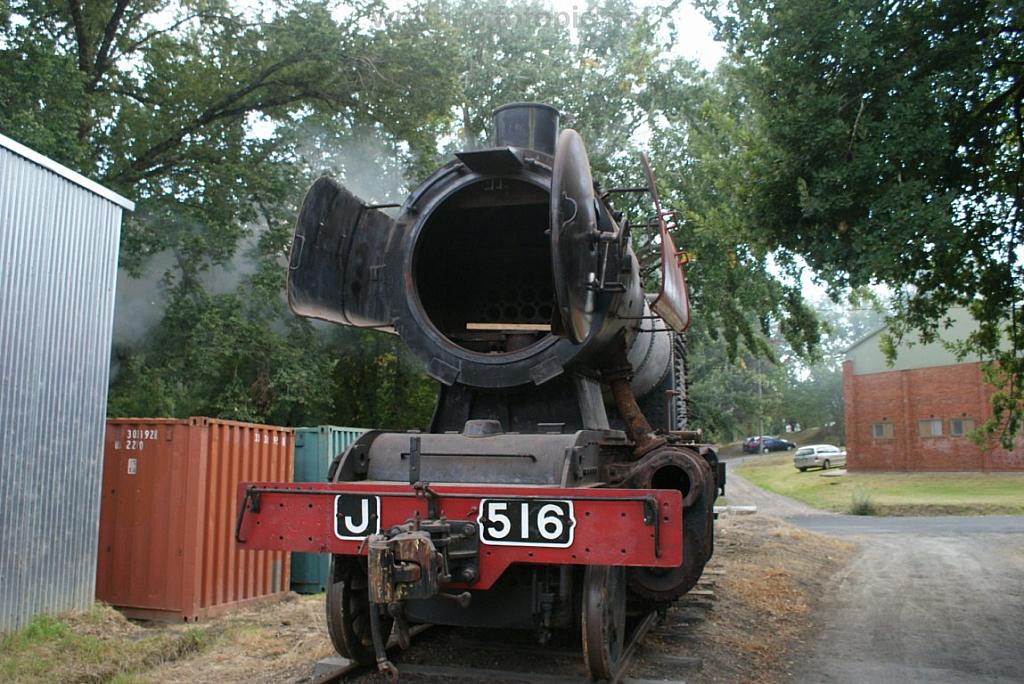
x=526, y=522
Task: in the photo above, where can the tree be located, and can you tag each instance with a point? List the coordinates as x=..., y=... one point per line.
x=732, y=395
x=214, y=117
x=815, y=400
x=375, y=385
x=884, y=142
x=158, y=100
x=698, y=125
x=524, y=51
x=505, y=53
x=162, y=95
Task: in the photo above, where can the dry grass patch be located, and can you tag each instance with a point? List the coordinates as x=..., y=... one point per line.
x=270, y=643
x=99, y=645
x=769, y=577
x=771, y=590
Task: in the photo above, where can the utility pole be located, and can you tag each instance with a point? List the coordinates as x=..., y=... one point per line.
x=760, y=408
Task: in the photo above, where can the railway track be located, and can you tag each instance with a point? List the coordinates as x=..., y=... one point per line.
x=350, y=670
x=353, y=671
x=501, y=661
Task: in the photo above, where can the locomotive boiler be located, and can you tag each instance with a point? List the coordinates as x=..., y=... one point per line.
x=557, y=486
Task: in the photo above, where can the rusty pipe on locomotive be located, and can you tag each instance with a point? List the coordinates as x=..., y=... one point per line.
x=509, y=273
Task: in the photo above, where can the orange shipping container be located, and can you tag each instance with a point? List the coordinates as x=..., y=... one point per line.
x=167, y=516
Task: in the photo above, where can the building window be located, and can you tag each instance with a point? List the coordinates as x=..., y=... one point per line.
x=931, y=427
x=959, y=427
x=883, y=431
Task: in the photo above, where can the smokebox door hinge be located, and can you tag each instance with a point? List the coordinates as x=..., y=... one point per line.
x=443, y=371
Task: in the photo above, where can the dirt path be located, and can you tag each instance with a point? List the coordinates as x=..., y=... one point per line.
x=924, y=600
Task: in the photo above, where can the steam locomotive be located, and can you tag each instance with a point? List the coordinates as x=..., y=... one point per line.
x=557, y=485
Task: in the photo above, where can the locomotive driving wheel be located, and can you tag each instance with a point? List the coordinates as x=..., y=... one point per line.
x=348, y=611
x=603, y=620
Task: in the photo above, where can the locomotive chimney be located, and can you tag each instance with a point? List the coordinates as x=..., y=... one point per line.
x=528, y=125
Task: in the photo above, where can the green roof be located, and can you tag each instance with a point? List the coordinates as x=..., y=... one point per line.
x=911, y=353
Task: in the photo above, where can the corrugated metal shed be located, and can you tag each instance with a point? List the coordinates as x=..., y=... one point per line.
x=59, y=235
x=315, y=448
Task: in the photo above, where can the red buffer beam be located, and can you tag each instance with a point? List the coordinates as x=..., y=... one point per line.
x=515, y=524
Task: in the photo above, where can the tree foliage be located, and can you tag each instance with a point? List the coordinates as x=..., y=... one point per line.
x=158, y=100
x=732, y=395
x=699, y=130
x=161, y=96
x=884, y=143
x=213, y=116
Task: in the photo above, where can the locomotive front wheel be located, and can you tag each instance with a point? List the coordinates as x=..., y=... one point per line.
x=603, y=620
x=348, y=611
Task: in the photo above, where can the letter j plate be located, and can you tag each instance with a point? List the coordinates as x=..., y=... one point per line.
x=356, y=516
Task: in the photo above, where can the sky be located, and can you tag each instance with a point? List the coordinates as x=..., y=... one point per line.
x=696, y=35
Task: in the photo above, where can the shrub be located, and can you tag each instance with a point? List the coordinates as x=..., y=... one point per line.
x=862, y=504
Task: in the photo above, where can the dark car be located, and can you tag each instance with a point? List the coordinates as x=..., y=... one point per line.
x=764, y=444
x=751, y=445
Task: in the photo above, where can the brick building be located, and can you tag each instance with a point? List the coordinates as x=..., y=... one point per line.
x=917, y=414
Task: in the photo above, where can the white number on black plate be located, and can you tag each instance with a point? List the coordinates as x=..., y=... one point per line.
x=526, y=522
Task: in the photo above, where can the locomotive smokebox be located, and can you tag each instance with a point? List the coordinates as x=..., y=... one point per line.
x=506, y=269
x=528, y=125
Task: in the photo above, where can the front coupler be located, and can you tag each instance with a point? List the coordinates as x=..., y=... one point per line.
x=414, y=561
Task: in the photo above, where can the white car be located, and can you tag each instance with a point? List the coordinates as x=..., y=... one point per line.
x=822, y=456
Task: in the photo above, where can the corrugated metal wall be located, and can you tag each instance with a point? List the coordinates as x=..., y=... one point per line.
x=59, y=238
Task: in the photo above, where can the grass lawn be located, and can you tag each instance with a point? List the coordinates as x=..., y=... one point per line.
x=890, y=493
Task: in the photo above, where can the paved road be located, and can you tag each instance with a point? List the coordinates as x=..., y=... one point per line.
x=931, y=600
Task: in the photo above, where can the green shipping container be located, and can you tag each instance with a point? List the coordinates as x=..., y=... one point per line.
x=315, y=448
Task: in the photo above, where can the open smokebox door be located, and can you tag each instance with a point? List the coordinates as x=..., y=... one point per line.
x=581, y=235
x=333, y=267
x=673, y=301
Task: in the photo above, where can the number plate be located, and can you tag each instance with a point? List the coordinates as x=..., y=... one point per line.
x=526, y=522
x=356, y=516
